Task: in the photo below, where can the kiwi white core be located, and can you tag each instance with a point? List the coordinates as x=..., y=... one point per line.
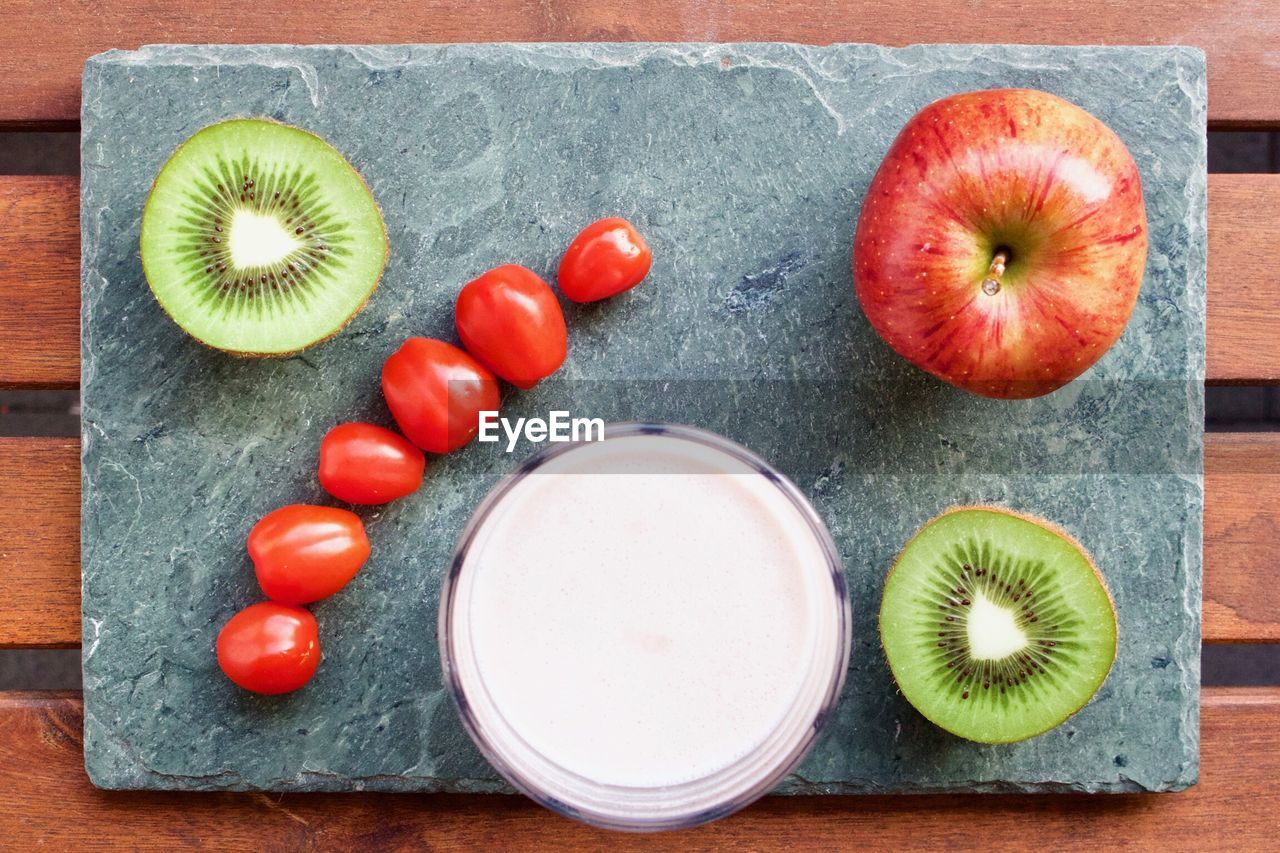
x=993, y=630
x=255, y=240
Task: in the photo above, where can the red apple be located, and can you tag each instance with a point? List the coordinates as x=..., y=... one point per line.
x=1002, y=242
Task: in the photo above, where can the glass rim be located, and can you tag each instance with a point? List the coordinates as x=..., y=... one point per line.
x=777, y=769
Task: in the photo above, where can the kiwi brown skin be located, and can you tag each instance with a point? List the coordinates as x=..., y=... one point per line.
x=1039, y=522
x=386, y=242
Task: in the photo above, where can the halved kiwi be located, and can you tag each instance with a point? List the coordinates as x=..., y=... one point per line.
x=997, y=625
x=260, y=239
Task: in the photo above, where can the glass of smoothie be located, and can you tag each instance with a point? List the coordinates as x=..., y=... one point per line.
x=645, y=632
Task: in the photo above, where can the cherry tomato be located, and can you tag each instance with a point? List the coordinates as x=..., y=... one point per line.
x=304, y=553
x=366, y=464
x=510, y=321
x=270, y=647
x=436, y=393
x=606, y=258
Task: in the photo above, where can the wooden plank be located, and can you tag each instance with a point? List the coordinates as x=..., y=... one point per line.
x=43, y=45
x=40, y=274
x=39, y=556
x=40, y=552
x=1242, y=537
x=45, y=798
x=39, y=317
x=1244, y=278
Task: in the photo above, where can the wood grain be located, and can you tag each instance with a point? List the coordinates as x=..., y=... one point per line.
x=1244, y=278
x=40, y=274
x=38, y=269
x=46, y=799
x=40, y=550
x=43, y=44
x=1242, y=537
x=40, y=570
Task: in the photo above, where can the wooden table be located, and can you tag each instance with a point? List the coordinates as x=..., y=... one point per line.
x=44, y=794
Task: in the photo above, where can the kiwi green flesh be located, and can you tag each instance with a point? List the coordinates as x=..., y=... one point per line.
x=1027, y=583
x=310, y=242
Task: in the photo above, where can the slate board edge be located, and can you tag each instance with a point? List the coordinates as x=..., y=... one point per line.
x=553, y=53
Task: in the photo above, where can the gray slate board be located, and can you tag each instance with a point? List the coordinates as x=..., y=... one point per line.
x=744, y=165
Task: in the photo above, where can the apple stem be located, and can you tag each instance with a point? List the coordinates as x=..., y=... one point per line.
x=991, y=284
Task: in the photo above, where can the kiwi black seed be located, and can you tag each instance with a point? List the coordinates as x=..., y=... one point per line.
x=261, y=239
x=997, y=626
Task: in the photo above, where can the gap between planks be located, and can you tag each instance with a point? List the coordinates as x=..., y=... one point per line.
x=40, y=250
x=40, y=548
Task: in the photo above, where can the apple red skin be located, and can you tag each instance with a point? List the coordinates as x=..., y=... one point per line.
x=1006, y=168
